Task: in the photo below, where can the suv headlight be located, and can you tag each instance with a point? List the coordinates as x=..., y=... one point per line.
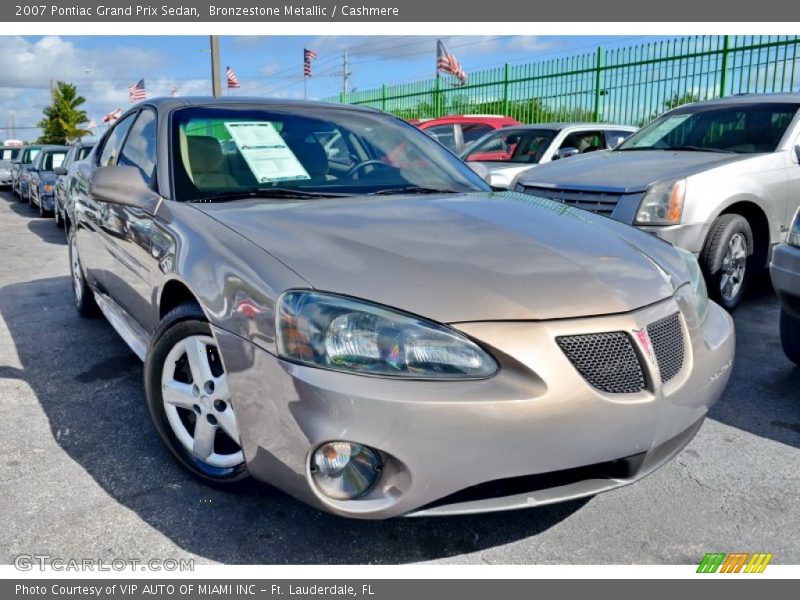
x=793, y=239
x=662, y=203
x=697, y=283
x=344, y=334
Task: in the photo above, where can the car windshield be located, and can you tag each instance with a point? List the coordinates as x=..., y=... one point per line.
x=9, y=153
x=29, y=155
x=526, y=146
x=225, y=152
x=51, y=160
x=740, y=128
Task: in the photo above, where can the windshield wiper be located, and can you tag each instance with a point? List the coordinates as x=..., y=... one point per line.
x=699, y=149
x=272, y=192
x=411, y=189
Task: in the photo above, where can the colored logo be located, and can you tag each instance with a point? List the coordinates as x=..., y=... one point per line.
x=644, y=343
x=737, y=562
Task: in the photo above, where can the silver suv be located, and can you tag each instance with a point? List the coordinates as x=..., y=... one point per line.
x=719, y=178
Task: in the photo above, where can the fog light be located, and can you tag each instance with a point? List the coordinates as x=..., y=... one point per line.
x=344, y=470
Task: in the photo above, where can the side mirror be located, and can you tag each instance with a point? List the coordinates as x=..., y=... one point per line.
x=566, y=153
x=30, y=168
x=481, y=170
x=119, y=185
x=60, y=171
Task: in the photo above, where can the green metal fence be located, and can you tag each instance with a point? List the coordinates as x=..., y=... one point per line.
x=628, y=85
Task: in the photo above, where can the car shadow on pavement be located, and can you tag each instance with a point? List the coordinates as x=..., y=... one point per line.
x=87, y=382
x=762, y=399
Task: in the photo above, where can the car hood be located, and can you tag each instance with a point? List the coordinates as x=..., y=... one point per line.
x=626, y=171
x=455, y=258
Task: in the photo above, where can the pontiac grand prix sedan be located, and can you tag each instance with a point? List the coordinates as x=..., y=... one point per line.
x=384, y=335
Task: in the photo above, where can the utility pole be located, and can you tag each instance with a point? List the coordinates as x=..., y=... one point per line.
x=216, y=75
x=345, y=77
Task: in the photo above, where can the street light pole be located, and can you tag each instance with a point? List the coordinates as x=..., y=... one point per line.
x=216, y=75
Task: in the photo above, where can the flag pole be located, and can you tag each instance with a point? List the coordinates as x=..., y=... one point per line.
x=305, y=87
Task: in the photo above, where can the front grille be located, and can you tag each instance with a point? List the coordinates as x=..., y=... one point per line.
x=601, y=203
x=606, y=360
x=666, y=337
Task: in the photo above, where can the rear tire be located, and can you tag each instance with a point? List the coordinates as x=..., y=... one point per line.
x=790, y=337
x=727, y=259
x=82, y=294
x=196, y=420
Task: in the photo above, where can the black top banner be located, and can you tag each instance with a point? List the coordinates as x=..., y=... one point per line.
x=402, y=11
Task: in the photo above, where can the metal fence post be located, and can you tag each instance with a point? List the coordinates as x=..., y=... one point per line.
x=597, y=81
x=723, y=80
x=437, y=97
x=383, y=97
x=506, y=79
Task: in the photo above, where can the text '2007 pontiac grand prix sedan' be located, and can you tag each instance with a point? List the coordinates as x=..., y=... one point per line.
x=329, y=301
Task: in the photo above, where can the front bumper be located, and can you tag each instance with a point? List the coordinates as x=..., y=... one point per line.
x=445, y=440
x=47, y=201
x=785, y=271
x=689, y=236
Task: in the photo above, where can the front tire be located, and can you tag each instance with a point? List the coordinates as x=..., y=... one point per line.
x=82, y=294
x=727, y=259
x=189, y=399
x=790, y=337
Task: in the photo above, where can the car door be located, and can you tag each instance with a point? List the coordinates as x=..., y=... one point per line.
x=61, y=180
x=126, y=229
x=792, y=180
x=33, y=176
x=90, y=215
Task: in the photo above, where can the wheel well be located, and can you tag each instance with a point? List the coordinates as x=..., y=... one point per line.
x=759, y=226
x=174, y=294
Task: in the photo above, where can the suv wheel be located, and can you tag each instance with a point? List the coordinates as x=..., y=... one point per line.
x=190, y=399
x=727, y=259
x=790, y=337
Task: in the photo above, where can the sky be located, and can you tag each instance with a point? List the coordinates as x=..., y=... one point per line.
x=103, y=67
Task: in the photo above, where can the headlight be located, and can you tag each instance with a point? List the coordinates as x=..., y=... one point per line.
x=344, y=470
x=662, y=203
x=335, y=332
x=793, y=239
x=697, y=282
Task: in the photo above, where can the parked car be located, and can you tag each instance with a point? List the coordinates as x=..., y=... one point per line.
x=77, y=152
x=7, y=157
x=391, y=338
x=510, y=151
x=41, y=178
x=19, y=181
x=718, y=178
x=785, y=270
x=457, y=132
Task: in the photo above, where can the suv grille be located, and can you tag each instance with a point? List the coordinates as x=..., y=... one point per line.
x=666, y=336
x=601, y=203
x=606, y=360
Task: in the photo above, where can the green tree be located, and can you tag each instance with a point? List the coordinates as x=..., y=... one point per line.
x=63, y=118
x=675, y=101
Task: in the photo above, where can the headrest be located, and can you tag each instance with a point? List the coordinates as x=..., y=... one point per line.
x=205, y=154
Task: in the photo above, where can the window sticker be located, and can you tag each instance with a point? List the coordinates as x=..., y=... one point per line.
x=656, y=134
x=265, y=151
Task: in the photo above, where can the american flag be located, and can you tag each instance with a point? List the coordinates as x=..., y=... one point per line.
x=136, y=91
x=233, y=80
x=174, y=91
x=308, y=56
x=447, y=63
x=112, y=116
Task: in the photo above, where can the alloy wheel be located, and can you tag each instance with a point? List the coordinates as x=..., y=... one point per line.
x=197, y=402
x=734, y=266
x=77, y=273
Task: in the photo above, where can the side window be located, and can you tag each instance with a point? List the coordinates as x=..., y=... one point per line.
x=113, y=141
x=140, y=147
x=474, y=131
x=444, y=134
x=614, y=137
x=584, y=141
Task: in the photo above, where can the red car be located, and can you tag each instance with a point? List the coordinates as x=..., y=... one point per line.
x=459, y=131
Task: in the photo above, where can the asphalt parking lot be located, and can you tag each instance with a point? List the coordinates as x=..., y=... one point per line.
x=84, y=475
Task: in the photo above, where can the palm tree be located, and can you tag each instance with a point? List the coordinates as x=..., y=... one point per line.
x=63, y=118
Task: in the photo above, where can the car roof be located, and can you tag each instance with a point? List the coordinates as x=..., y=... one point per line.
x=565, y=125
x=53, y=148
x=788, y=98
x=168, y=103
